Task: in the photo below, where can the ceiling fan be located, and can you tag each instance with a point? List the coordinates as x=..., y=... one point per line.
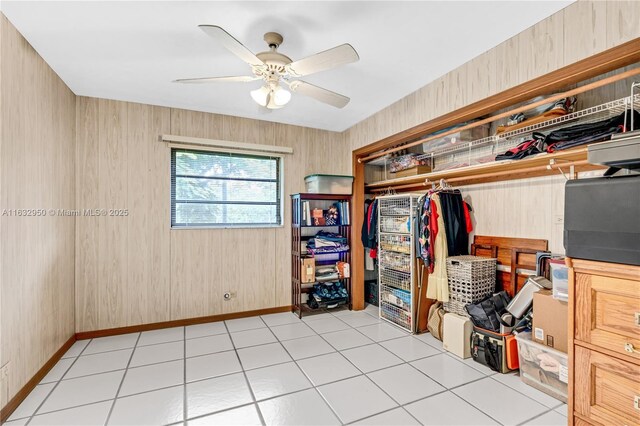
x=277, y=70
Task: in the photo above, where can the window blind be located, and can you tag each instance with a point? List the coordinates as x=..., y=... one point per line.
x=220, y=189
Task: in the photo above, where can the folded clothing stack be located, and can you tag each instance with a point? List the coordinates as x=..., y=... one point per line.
x=326, y=273
x=327, y=242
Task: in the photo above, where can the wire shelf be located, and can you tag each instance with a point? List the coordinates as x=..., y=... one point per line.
x=393, y=278
x=396, y=297
x=395, y=224
x=395, y=206
x=587, y=115
x=396, y=315
x=395, y=242
x=396, y=261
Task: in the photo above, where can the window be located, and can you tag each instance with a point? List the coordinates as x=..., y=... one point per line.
x=224, y=189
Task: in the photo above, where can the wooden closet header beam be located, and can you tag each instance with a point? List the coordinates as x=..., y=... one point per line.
x=609, y=60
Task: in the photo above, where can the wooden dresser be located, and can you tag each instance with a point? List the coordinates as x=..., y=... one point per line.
x=604, y=347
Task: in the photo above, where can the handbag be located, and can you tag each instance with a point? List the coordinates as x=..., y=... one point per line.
x=435, y=320
x=487, y=313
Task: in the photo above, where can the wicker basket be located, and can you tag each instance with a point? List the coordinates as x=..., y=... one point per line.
x=471, y=279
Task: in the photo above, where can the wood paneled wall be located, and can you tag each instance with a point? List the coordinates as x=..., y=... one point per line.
x=580, y=30
x=37, y=167
x=135, y=269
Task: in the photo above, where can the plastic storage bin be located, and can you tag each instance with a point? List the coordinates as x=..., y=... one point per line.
x=329, y=184
x=542, y=367
x=560, y=279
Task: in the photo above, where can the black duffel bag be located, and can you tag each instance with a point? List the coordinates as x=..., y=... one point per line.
x=587, y=129
x=486, y=314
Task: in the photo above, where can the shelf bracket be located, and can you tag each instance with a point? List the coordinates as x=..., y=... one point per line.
x=572, y=169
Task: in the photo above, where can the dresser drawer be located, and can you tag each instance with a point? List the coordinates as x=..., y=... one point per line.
x=607, y=313
x=606, y=388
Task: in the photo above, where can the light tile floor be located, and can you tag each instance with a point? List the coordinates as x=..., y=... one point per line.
x=338, y=368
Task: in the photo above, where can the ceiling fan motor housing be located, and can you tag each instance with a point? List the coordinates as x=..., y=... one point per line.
x=275, y=62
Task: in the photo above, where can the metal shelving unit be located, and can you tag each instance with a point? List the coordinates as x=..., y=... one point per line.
x=299, y=232
x=396, y=219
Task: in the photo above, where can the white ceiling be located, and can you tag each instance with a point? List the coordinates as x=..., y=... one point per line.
x=132, y=51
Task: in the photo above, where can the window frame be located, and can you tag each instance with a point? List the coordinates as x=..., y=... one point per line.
x=255, y=154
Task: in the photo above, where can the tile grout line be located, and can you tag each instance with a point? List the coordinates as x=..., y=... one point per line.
x=244, y=374
x=184, y=374
x=349, y=361
x=511, y=387
x=536, y=416
x=313, y=386
x=366, y=374
x=35, y=412
x=407, y=362
x=280, y=342
x=106, y=422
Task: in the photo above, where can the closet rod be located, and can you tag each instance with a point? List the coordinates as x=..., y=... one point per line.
x=405, y=186
x=554, y=166
x=518, y=172
x=572, y=92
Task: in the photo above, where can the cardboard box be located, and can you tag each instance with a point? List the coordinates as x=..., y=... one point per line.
x=308, y=267
x=550, y=321
x=414, y=171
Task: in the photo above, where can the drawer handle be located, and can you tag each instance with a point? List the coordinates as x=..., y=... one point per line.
x=637, y=316
x=629, y=348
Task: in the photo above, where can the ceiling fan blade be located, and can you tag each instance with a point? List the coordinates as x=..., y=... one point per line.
x=231, y=44
x=340, y=55
x=318, y=93
x=234, y=79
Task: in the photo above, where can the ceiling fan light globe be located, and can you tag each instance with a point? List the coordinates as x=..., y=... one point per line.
x=272, y=104
x=261, y=95
x=281, y=96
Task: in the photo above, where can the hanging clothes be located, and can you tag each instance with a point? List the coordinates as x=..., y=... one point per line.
x=364, y=236
x=453, y=213
x=424, y=203
x=467, y=217
x=438, y=281
x=370, y=226
x=369, y=263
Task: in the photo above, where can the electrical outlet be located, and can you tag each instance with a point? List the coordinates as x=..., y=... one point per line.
x=229, y=295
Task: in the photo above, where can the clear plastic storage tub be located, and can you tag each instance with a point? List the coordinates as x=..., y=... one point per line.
x=329, y=184
x=560, y=279
x=542, y=367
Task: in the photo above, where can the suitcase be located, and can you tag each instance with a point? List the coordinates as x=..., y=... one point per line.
x=457, y=335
